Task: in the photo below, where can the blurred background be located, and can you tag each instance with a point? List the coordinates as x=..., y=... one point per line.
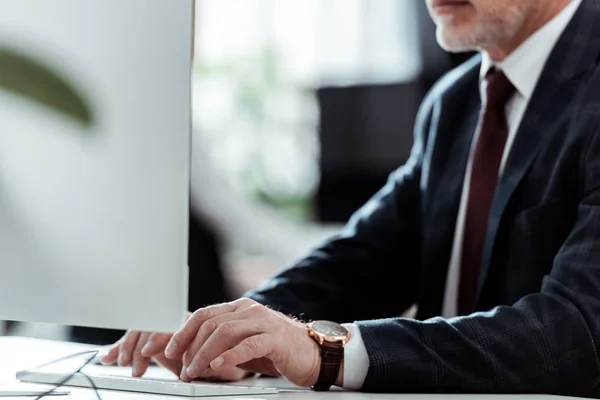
x=301, y=110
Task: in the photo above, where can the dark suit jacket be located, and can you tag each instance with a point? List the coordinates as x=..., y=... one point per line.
x=536, y=324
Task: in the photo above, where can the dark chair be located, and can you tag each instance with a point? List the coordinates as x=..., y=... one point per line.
x=365, y=132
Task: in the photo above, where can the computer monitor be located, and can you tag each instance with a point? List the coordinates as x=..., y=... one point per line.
x=93, y=219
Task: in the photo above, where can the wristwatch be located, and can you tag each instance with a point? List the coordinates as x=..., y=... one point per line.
x=331, y=337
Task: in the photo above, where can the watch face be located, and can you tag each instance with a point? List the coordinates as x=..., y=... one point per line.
x=330, y=329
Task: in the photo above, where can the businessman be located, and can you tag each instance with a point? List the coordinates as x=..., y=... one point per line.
x=492, y=228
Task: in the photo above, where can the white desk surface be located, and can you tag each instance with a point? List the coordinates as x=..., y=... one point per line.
x=23, y=353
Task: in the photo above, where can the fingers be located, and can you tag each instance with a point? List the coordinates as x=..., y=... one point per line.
x=184, y=337
x=138, y=349
x=139, y=362
x=209, y=327
x=128, y=351
x=127, y=347
x=113, y=354
x=226, y=336
x=122, y=350
x=156, y=343
x=174, y=366
x=227, y=374
x=248, y=349
x=184, y=376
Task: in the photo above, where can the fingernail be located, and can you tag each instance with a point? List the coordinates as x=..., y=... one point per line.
x=136, y=369
x=145, y=349
x=217, y=362
x=170, y=348
x=191, y=370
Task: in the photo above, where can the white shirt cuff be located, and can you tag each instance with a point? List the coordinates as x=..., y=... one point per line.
x=356, y=359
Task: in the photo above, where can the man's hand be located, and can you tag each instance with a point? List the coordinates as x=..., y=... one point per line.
x=136, y=349
x=249, y=335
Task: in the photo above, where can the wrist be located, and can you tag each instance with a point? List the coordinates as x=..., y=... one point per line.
x=331, y=338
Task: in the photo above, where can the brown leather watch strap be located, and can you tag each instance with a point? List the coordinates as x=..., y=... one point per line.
x=332, y=355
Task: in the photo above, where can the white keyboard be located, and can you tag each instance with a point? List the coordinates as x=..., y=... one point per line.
x=143, y=385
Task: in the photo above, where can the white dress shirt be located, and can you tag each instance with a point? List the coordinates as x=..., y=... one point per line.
x=523, y=68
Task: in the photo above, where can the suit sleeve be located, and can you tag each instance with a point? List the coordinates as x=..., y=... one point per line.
x=367, y=270
x=545, y=343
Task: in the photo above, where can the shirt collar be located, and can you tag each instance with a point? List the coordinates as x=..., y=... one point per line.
x=524, y=66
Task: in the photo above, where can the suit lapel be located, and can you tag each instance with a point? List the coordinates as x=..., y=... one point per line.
x=446, y=155
x=448, y=141
x=574, y=54
x=451, y=162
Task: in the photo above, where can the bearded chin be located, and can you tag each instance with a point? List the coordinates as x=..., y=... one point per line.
x=457, y=42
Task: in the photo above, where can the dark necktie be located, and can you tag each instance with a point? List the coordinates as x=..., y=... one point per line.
x=493, y=131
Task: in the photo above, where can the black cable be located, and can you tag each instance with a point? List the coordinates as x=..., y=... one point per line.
x=83, y=353
x=62, y=383
x=94, y=353
x=86, y=376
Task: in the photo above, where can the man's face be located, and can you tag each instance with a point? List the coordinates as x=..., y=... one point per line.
x=465, y=25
